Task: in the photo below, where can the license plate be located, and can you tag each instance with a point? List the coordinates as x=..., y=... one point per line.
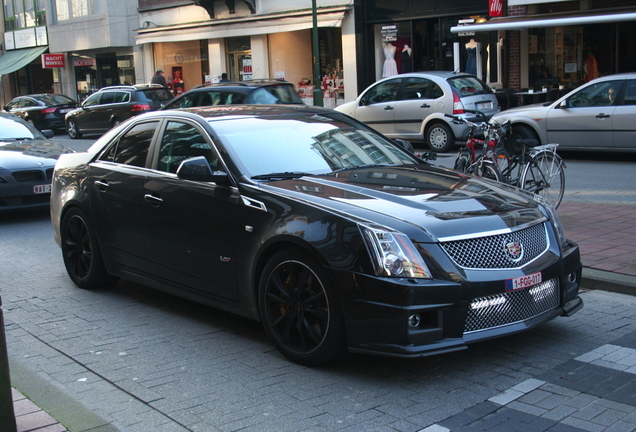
x=483, y=106
x=65, y=110
x=523, y=281
x=40, y=189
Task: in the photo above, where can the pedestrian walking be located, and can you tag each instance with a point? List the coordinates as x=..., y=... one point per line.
x=158, y=78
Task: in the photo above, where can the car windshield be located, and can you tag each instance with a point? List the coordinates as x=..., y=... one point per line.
x=469, y=86
x=310, y=143
x=13, y=130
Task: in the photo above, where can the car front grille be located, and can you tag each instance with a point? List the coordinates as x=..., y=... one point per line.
x=513, y=306
x=502, y=251
x=28, y=176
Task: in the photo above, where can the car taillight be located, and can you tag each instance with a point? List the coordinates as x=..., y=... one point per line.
x=140, y=107
x=458, y=106
x=48, y=110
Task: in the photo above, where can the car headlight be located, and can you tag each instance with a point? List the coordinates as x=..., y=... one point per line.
x=393, y=254
x=552, y=214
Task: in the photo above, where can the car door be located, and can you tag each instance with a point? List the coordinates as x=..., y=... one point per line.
x=586, y=119
x=104, y=112
x=624, y=130
x=190, y=226
x=377, y=105
x=85, y=117
x=415, y=104
x=116, y=187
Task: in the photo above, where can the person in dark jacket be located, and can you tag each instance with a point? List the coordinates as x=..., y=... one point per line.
x=158, y=78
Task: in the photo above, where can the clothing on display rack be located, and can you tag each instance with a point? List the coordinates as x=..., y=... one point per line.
x=390, y=65
x=471, y=61
x=407, y=64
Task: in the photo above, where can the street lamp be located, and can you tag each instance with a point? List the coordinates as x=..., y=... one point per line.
x=317, y=80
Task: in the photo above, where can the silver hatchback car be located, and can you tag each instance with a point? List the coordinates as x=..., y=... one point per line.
x=413, y=106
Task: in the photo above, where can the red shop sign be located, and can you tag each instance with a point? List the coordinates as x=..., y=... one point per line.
x=495, y=8
x=53, y=60
x=84, y=62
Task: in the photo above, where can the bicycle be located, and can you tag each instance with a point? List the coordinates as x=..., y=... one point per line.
x=469, y=160
x=537, y=169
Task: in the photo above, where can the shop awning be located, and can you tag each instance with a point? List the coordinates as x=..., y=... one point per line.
x=17, y=59
x=552, y=20
x=245, y=26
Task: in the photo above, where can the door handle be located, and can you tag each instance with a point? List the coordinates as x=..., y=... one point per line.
x=388, y=108
x=425, y=105
x=153, y=199
x=101, y=185
x=602, y=116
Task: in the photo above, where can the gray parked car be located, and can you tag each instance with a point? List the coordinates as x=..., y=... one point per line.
x=413, y=106
x=598, y=115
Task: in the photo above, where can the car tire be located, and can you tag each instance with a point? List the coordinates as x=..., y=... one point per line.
x=440, y=137
x=81, y=253
x=72, y=129
x=519, y=131
x=300, y=309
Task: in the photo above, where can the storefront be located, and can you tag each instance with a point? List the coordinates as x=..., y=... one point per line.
x=95, y=70
x=274, y=46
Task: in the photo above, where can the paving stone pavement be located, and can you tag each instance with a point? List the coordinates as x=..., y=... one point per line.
x=102, y=362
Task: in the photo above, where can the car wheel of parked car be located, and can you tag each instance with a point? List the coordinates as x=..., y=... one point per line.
x=300, y=310
x=440, y=137
x=520, y=131
x=72, y=130
x=80, y=250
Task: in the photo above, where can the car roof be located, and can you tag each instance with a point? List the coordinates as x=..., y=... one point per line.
x=132, y=87
x=441, y=74
x=251, y=84
x=245, y=110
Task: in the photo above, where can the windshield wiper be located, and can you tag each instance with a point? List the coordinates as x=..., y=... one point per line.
x=280, y=175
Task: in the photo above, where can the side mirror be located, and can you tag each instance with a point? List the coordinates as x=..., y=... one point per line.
x=405, y=145
x=7, y=108
x=364, y=101
x=198, y=169
x=563, y=104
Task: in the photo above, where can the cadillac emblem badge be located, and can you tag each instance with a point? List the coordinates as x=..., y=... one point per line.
x=514, y=250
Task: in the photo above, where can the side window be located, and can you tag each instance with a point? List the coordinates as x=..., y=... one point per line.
x=384, y=92
x=630, y=93
x=132, y=147
x=107, y=98
x=418, y=88
x=92, y=100
x=182, y=141
x=121, y=97
x=601, y=94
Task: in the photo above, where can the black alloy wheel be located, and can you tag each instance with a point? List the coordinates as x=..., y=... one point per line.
x=300, y=310
x=81, y=254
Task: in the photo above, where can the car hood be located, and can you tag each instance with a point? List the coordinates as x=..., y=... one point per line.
x=535, y=110
x=30, y=153
x=426, y=202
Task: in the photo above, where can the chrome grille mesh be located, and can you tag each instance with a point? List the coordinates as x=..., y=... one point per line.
x=491, y=252
x=513, y=306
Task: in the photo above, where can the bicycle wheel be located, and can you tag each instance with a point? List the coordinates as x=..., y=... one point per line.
x=544, y=176
x=487, y=169
x=461, y=164
x=505, y=164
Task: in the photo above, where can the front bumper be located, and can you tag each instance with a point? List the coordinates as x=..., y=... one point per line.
x=415, y=318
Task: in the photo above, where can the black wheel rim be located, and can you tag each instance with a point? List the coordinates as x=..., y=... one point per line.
x=296, y=307
x=78, y=252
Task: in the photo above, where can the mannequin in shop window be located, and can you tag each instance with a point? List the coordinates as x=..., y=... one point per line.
x=407, y=64
x=390, y=65
x=471, y=61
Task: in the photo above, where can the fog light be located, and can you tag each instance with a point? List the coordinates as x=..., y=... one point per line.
x=414, y=320
x=572, y=277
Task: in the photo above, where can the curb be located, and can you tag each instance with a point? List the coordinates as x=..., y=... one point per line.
x=608, y=281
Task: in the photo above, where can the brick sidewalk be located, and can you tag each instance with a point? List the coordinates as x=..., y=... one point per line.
x=605, y=234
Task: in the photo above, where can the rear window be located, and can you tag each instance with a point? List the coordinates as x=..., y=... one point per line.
x=469, y=86
x=276, y=94
x=154, y=95
x=54, y=99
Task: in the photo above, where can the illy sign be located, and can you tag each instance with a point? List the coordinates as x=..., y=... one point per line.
x=495, y=8
x=52, y=60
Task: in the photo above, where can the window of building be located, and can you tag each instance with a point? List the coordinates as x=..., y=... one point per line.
x=20, y=14
x=68, y=9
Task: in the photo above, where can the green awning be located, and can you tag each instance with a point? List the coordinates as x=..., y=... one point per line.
x=17, y=59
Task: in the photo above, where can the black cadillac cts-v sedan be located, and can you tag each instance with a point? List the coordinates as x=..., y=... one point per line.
x=334, y=237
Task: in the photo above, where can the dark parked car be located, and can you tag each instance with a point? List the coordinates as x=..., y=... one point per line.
x=112, y=105
x=27, y=159
x=305, y=219
x=44, y=111
x=232, y=93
